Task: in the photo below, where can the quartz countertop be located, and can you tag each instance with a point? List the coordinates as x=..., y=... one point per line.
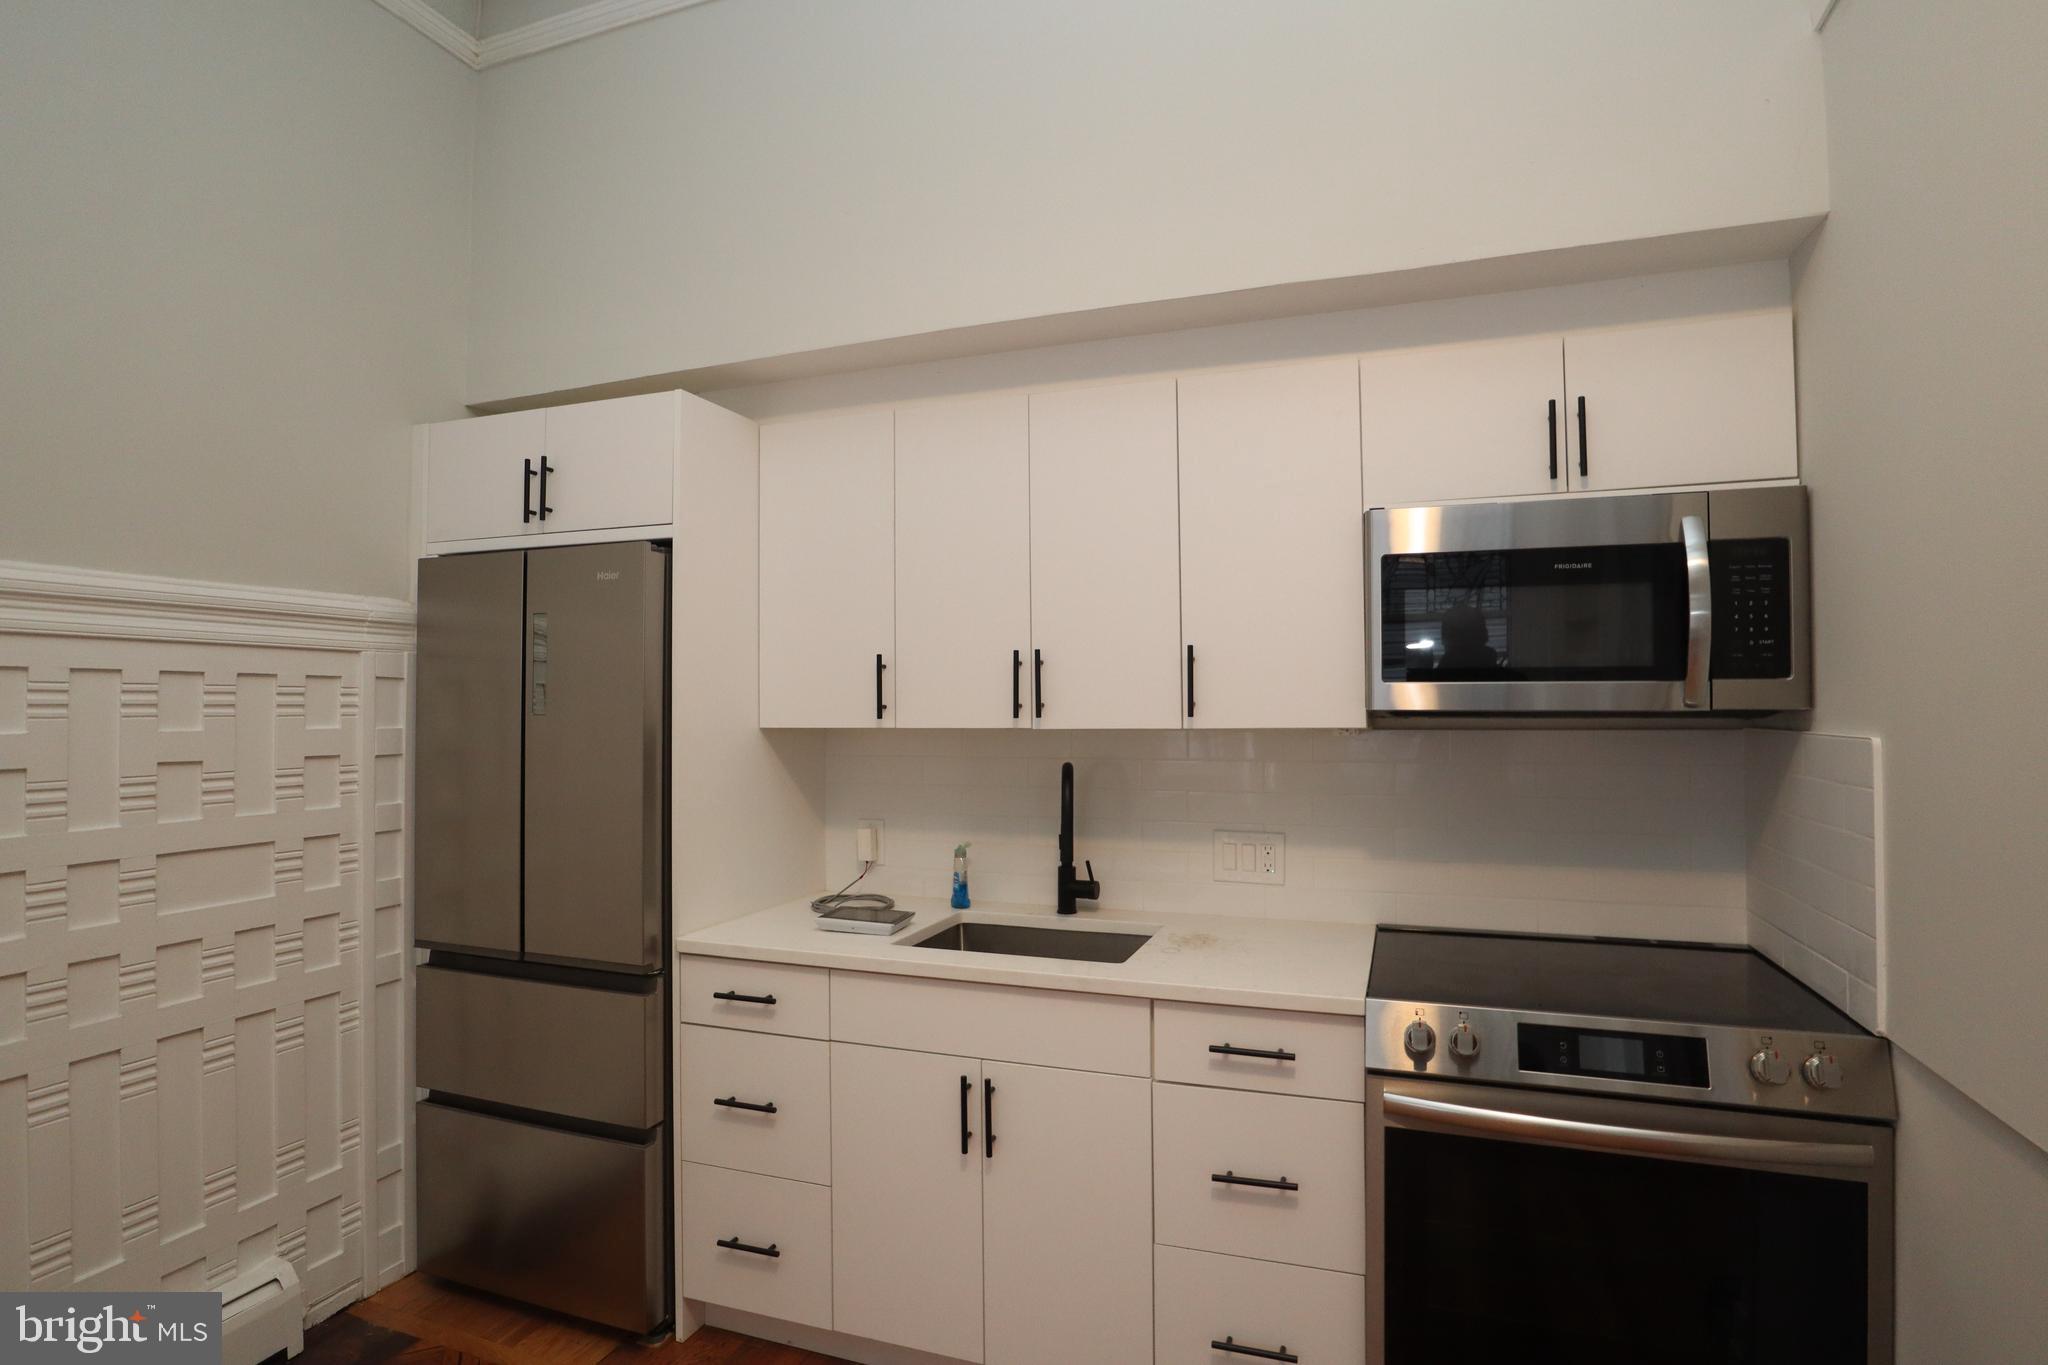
x=1206, y=959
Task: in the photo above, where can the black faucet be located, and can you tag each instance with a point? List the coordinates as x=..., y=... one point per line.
x=1072, y=888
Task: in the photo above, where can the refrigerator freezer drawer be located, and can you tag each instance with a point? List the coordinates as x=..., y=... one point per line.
x=577, y=1051
x=559, y=1219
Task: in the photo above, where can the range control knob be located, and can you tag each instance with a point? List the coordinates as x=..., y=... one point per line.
x=1822, y=1071
x=1770, y=1067
x=1419, y=1039
x=1464, y=1043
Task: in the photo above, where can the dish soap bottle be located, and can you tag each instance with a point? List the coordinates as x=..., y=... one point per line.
x=960, y=876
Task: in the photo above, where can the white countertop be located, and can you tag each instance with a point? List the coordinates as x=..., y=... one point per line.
x=1207, y=959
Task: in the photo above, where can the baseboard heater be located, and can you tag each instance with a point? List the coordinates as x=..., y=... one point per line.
x=262, y=1312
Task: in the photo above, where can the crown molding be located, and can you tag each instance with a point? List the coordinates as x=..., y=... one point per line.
x=49, y=599
x=585, y=21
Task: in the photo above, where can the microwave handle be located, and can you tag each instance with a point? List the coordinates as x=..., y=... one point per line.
x=1699, y=613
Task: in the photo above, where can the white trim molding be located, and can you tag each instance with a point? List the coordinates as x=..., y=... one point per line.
x=46, y=599
x=585, y=21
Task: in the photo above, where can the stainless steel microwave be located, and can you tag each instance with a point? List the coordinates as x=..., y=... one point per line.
x=1647, y=604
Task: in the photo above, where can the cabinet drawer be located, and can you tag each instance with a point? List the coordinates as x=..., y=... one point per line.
x=1325, y=1052
x=1318, y=1146
x=765, y=997
x=1315, y=1316
x=792, y=1219
x=720, y=1072
x=998, y=1023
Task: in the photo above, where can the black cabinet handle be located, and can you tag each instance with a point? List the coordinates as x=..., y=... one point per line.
x=1553, y=438
x=1016, y=683
x=1037, y=683
x=988, y=1118
x=1191, y=680
x=1233, y=1178
x=966, y=1089
x=743, y=999
x=735, y=1244
x=1582, y=437
x=1270, y=1054
x=545, y=470
x=1259, y=1352
x=735, y=1102
x=880, y=668
x=526, y=497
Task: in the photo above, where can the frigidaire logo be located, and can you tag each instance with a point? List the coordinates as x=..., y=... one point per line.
x=164, y=1327
x=1574, y=564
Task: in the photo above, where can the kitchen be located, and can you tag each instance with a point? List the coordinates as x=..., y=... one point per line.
x=922, y=471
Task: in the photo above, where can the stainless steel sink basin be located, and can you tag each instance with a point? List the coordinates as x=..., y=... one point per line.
x=1034, y=940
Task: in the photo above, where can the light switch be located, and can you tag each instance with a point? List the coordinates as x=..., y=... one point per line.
x=1250, y=857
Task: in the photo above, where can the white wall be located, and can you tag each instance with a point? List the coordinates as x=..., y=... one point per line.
x=1922, y=319
x=754, y=179
x=235, y=272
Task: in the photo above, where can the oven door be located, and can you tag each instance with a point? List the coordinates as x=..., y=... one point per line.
x=1555, y=1229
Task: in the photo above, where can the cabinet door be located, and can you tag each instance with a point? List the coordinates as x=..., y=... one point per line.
x=963, y=563
x=1067, y=1213
x=1272, y=548
x=906, y=1198
x=612, y=463
x=476, y=476
x=1470, y=420
x=1105, y=557
x=1704, y=401
x=828, y=559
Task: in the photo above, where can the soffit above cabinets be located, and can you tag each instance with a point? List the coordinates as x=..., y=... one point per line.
x=485, y=33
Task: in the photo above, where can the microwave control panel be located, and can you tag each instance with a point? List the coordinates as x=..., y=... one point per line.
x=1752, y=609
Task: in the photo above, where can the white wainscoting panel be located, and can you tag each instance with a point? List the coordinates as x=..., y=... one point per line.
x=202, y=881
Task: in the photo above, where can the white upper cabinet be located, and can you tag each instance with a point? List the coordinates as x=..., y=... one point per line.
x=611, y=464
x=1105, y=558
x=1709, y=400
x=963, y=563
x=827, y=570
x=476, y=476
x=1479, y=419
x=1271, y=547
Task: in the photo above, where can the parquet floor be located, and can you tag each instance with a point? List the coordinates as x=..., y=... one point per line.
x=419, y=1321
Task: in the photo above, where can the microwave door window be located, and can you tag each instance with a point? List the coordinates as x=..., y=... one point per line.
x=1603, y=613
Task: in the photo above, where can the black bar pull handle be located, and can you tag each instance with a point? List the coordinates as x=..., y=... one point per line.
x=966, y=1137
x=1582, y=437
x=735, y=1244
x=1230, y=1345
x=880, y=705
x=743, y=999
x=988, y=1118
x=1037, y=683
x=1191, y=681
x=735, y=1102
x=545, y=470
x=1256, y=1182
x=1553, y=438
x=1275, y=1054
x=526, y=497
x=1016, y=683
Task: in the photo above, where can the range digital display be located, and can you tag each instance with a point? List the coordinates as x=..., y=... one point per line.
x=1661, y=1059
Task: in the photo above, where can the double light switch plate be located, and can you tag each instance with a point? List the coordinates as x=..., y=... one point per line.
x=1250, y=857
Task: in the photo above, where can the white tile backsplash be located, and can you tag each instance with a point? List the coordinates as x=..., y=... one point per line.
x=1619, y=832
x=1813, y=848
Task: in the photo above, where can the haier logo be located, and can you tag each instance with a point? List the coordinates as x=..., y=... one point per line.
x=169, y=1328
x=607, y=575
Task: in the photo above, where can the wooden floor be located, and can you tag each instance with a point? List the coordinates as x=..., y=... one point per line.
x=419, y=1321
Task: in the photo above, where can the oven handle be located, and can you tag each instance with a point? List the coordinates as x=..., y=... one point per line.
x=1699, y=611
x=1639, y=1141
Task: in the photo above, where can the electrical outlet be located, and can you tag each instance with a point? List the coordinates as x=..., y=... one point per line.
x=1242, y=857
x=867, y=842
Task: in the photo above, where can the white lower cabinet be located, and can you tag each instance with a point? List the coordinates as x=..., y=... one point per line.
x=755, y=1102
x=757, y=1244
x=1207, y=1304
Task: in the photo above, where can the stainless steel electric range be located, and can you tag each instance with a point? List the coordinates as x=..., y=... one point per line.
x=1600, y=1151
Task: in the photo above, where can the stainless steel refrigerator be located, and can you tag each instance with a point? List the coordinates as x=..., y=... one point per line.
x=541, y=895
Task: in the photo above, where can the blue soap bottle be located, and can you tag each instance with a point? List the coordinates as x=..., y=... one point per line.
x=960, y=876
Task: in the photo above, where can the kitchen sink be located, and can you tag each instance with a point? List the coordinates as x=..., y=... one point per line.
x=1034, y=940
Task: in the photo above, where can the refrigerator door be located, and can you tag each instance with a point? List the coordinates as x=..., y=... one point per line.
x=466, y=868
x=596, y=750
x=569, y=1221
